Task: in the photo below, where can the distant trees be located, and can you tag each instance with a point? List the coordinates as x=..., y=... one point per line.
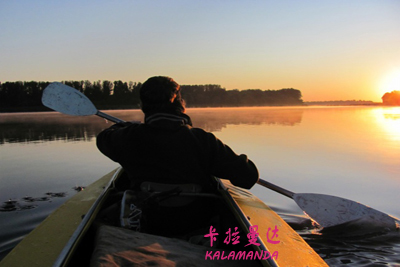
x=21, y=96
x=212, y=95
x=391, y=99
x=26, y=96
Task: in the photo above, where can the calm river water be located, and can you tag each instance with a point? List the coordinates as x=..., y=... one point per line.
x=350, y=152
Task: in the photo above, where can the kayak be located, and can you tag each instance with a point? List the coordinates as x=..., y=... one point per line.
x=162, y=225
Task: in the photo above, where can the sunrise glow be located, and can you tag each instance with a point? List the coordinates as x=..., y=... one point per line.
x=390, y=82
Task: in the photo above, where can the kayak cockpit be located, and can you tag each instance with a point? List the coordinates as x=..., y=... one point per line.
x=172, y=228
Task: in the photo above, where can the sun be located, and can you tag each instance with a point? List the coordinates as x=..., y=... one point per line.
x=390, y=83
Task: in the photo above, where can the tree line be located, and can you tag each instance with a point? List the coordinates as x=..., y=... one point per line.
x=26, y=96
x=391, y=99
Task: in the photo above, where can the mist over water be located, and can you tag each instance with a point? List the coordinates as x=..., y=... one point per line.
x=350, y=152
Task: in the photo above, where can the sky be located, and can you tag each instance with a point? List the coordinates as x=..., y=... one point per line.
x=329, y=50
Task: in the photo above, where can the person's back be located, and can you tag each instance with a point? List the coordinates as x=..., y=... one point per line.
x=167, y=149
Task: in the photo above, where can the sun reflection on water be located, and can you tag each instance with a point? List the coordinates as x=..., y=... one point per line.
x=389, y=121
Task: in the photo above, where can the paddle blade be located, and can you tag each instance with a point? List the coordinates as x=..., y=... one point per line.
x=67, y=100
x=330, y=211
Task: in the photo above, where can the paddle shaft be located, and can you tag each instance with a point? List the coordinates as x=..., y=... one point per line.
x=261, y=182
x=276, y=188
x=108, y=117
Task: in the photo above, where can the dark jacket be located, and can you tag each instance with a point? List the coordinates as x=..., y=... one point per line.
x=166, y=149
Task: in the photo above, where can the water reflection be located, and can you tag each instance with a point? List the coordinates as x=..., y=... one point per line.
x=34, y=127
x=50, y=126
x=214, y=119
x=389, y=121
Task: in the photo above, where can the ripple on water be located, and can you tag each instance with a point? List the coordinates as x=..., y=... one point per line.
x=27, y=202
x=349, y=244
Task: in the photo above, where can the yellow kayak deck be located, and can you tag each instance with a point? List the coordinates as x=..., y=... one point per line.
x=277, y=236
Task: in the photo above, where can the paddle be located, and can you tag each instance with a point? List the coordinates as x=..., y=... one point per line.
x=326, y=210
x=330, y=211
x=68, y=100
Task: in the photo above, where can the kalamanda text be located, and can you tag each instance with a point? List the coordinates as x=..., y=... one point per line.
x=240, y=255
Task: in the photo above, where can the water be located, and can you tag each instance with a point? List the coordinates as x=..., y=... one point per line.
x=350, y=152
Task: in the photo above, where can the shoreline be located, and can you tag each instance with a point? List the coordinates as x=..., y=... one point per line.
x=305, y=104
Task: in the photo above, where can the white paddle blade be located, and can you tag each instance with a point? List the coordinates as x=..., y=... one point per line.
x=67, y=100
x=329, y=211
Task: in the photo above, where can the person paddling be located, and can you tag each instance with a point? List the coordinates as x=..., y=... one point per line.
x=166, y=148
x=166, y=154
